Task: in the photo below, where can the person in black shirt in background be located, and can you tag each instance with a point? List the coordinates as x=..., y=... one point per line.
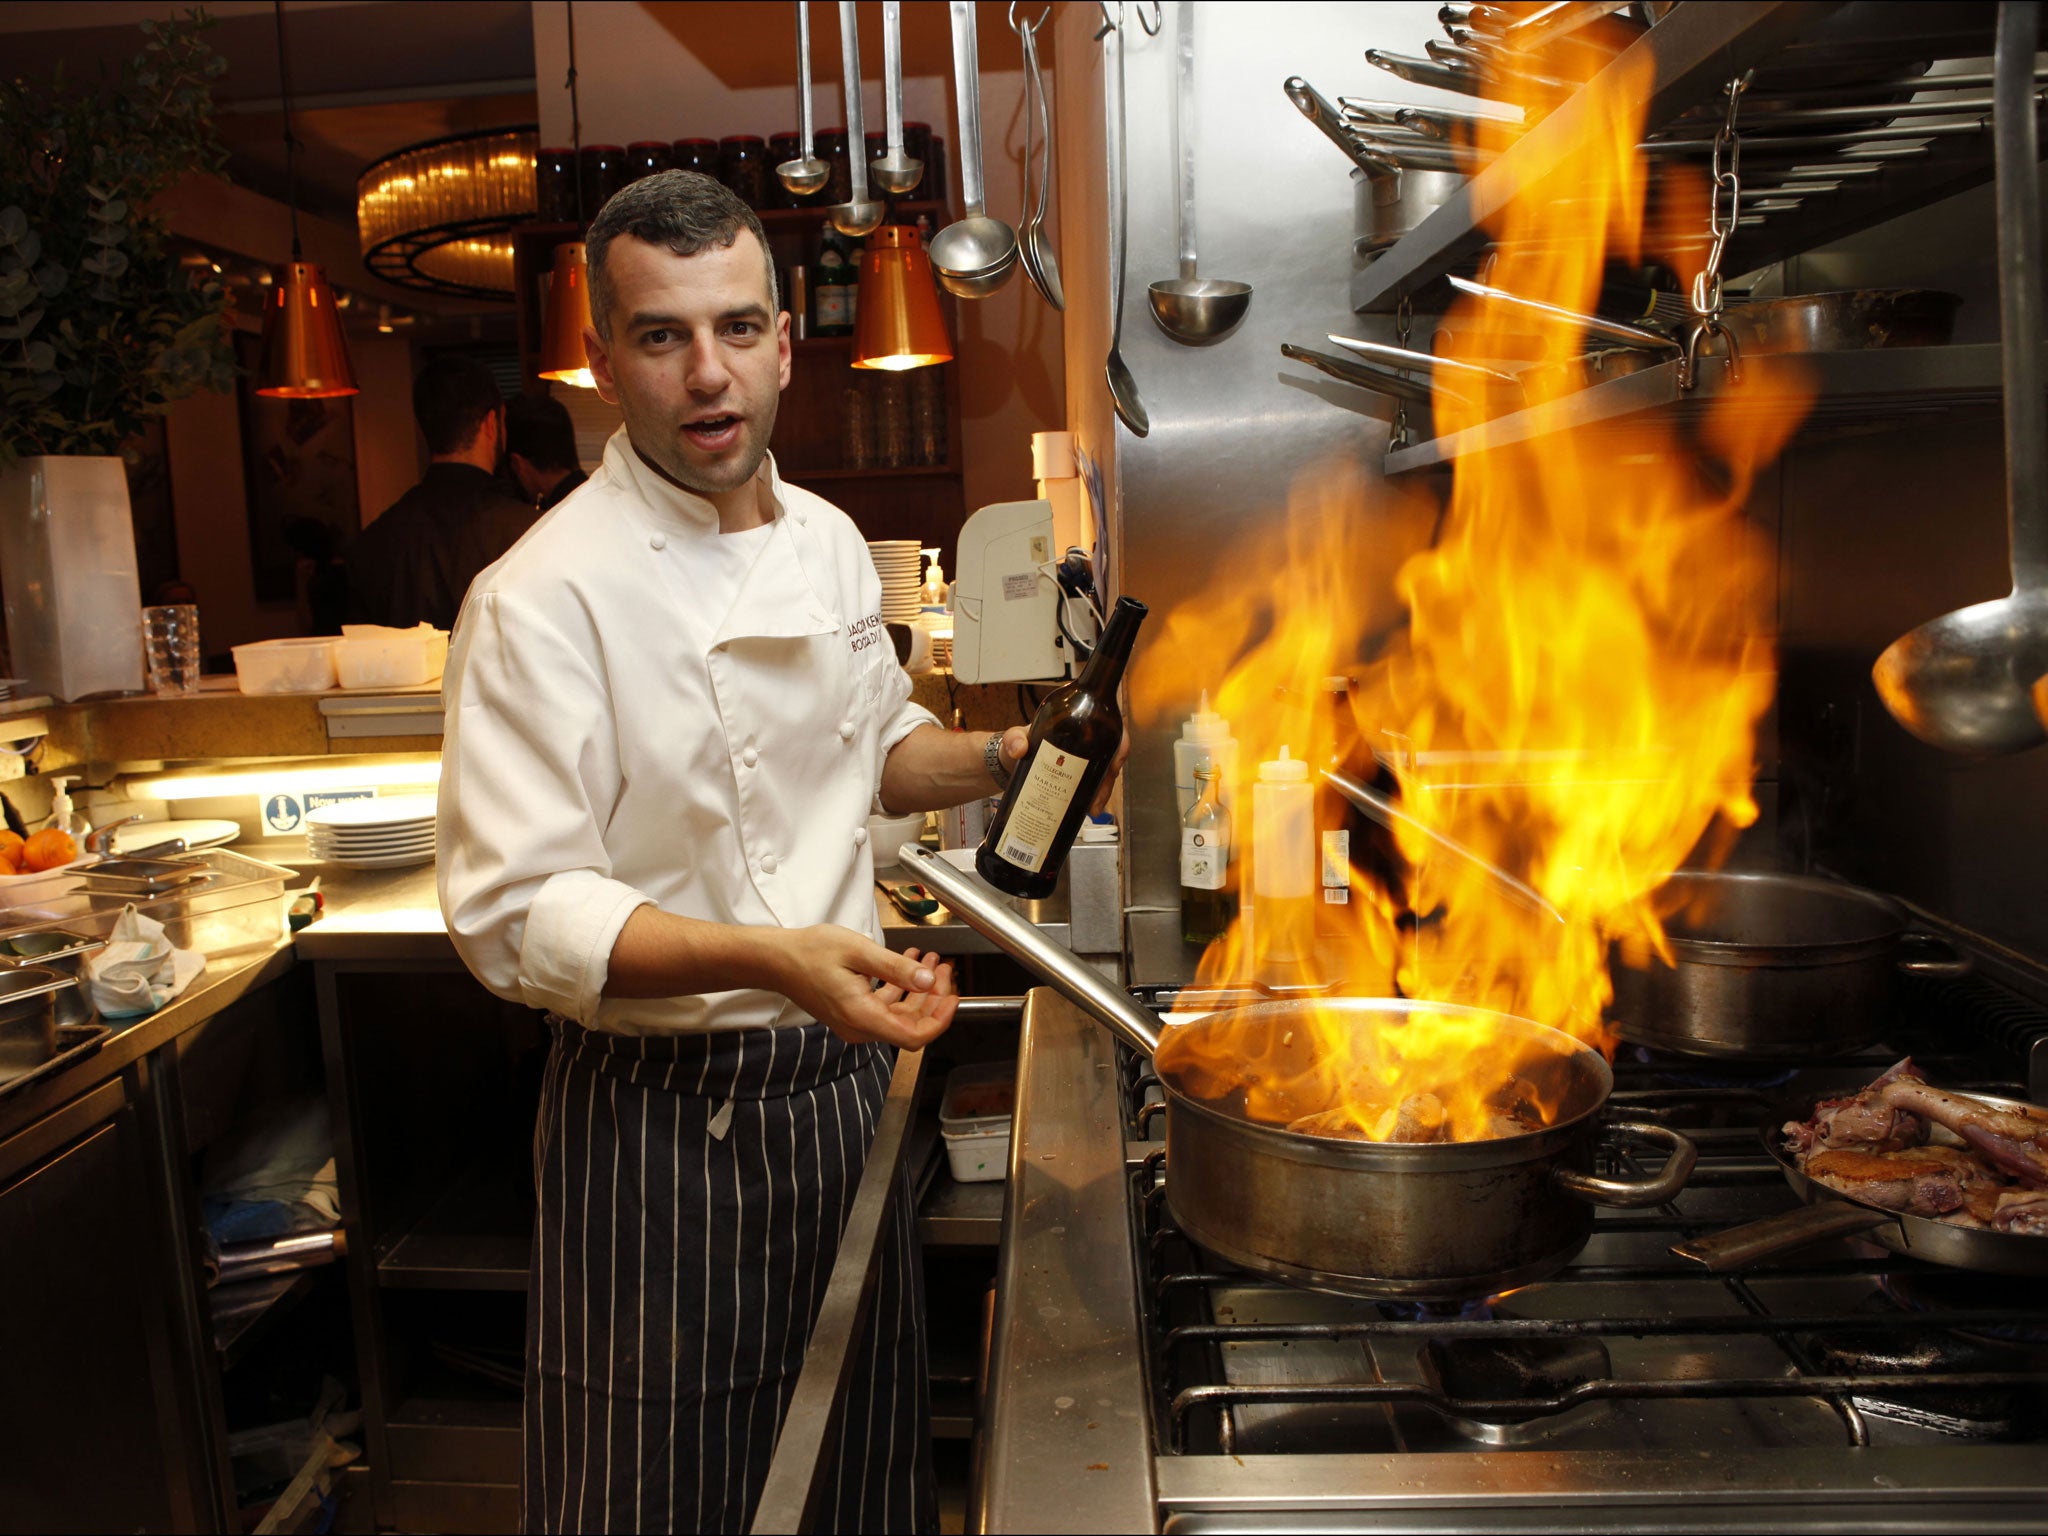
x=413, y=564
x=540, y=449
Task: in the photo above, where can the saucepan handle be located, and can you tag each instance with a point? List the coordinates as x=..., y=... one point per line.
x=1662, y=1186
x=1755, y=1241
x=983, y=909
x=1947, y=960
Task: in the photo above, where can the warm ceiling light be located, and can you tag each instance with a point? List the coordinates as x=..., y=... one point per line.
x=897, y=324
x=304, y=354
x=561, y=339
x=439, y=215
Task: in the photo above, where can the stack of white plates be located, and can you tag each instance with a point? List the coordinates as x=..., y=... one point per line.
x=373, y=834
x=896, y=562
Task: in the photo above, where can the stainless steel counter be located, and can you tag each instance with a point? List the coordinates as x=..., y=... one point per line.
x=1068, y=1439
x=395, y=915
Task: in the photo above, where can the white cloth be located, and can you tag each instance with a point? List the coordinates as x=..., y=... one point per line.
x=138, y=971
x=640, y=709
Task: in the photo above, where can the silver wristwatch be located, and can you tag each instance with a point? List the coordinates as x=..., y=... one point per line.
x=992, y=759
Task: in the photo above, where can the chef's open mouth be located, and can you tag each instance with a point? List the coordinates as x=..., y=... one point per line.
x=713, y=431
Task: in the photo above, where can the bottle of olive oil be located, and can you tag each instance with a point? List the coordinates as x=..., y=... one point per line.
x=1073, y=743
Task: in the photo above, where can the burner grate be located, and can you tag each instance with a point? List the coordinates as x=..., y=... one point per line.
x=1627, y=1342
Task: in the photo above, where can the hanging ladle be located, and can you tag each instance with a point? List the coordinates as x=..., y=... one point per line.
x=1976, y=680
x=860, y=214
x=806, y=173
x=975, y=254
x=1123, y=389
x=895, y=172
x=1189, y=308
x=1034, y=246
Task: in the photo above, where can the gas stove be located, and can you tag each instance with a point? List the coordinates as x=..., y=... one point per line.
x=1137, y=1383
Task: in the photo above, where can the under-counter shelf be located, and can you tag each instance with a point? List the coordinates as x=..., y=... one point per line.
x=953, y=1215
x=1848, y=387
x=477, y=1236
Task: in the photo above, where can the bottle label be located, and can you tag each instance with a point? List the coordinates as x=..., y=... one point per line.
x=833, y=308
x=1204, y=855
x=1049, y=786
x=1336, y=863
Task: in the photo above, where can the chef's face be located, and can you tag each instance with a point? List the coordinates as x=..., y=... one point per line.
x=697, y=358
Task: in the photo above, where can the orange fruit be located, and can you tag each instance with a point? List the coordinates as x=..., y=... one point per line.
x=48, y=849
x=11, y=839
x=10, y=858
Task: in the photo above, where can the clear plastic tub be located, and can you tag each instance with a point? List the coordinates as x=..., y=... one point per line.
x=239, y=904
x=974, y=1120
x=286, y=666
x=372, y=656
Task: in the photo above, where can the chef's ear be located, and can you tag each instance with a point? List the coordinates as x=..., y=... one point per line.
x=782, y=346
x=599, y=356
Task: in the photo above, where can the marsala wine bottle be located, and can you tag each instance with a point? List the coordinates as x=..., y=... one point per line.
x=1073, y=742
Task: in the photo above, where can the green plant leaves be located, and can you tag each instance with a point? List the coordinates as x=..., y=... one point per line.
x=99, y=325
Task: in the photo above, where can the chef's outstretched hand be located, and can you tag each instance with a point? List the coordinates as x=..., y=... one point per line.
x=861, y=991
x=1017, y=741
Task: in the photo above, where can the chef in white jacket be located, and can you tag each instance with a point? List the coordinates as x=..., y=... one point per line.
x=670, y=710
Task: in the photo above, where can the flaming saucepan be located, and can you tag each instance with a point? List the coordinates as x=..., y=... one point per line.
x=1293, y=1164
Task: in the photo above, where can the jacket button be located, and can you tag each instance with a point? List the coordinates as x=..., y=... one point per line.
x=767, y=863
x=860, y=836
x=659, y=541
x=750, y=757
x=846, y=730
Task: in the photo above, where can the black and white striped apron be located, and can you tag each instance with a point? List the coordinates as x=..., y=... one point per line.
x=692, y=1192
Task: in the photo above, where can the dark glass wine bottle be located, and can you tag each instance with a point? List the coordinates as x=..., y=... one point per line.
x=1073, y=742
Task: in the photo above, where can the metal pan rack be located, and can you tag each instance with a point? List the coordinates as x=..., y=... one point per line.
x=1858, y=114
x=1904, y=161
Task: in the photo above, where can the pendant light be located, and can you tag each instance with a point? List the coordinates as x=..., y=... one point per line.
x=562, y=357
x=897, y=324
x=305, y=356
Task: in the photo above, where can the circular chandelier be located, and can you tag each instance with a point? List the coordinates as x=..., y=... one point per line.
x=439, y=215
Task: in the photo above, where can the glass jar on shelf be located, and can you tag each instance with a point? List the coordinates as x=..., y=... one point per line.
x=604, y=172
x=699, y=155
x=856, y=431
x=893, y=444
x=647, y=157
x=554, y=178
x=743, y=166
x=927, y=388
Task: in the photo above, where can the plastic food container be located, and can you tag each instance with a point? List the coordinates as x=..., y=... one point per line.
x=285, y=666
x=974, y=1120
x=372, y=656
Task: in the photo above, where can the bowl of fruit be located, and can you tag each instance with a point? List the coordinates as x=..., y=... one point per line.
x=40, y=866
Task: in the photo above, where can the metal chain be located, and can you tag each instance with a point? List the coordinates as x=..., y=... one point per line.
x=1724, y=212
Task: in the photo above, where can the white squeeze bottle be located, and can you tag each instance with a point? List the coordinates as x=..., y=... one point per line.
x=1204, y=735
x=1284, y=872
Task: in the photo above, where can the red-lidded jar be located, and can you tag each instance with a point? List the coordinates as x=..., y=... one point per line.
x=743, y=166
x=699, y=155
x=647, y=157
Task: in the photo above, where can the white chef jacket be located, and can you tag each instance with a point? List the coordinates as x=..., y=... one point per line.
x=640, y=709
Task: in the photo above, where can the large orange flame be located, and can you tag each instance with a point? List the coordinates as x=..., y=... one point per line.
x=1574, y=696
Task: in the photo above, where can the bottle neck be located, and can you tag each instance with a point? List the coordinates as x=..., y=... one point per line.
x=1113, y=651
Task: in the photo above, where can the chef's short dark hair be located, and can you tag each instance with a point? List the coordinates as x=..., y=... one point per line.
x=684, y=210
x=451, y=399
x=538, y=429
